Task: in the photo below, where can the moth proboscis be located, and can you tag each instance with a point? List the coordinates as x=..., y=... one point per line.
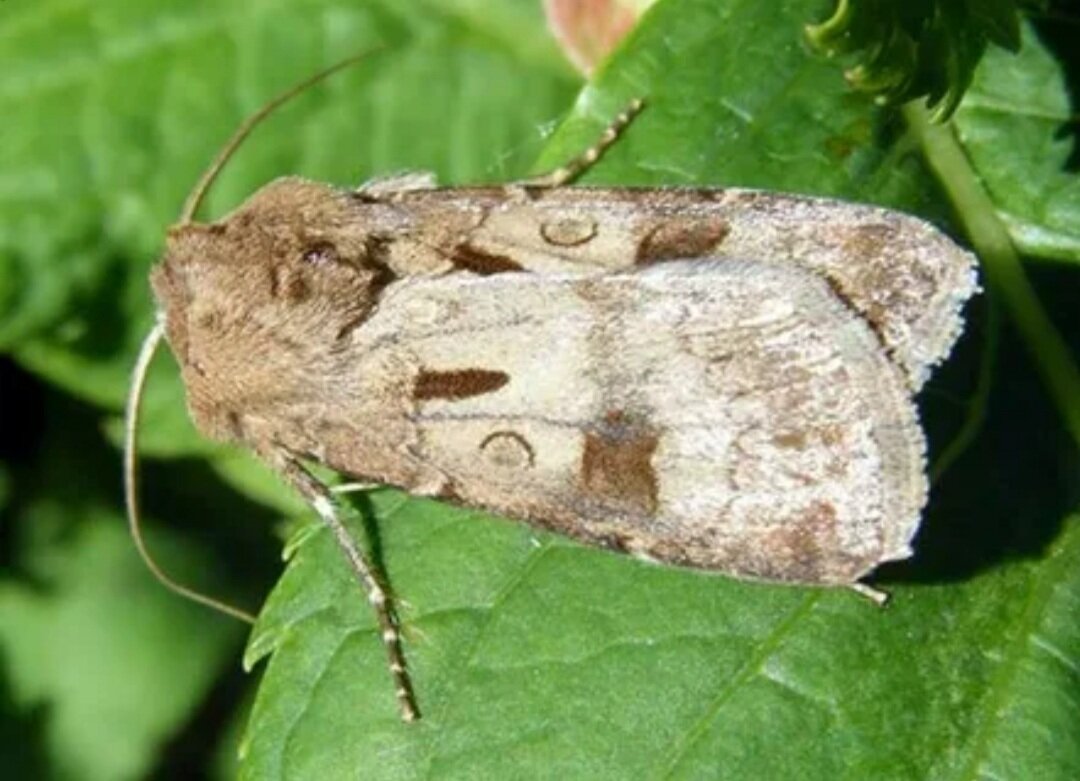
x=714, y=378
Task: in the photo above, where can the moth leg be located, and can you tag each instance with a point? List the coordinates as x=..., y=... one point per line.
x=876, y=596
x=352, y=488
x=574, y=168
x=321, y=499
x=392, y=184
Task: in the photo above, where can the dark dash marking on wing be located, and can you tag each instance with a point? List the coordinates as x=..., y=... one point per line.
x=468, y=258
x=457, y=383
x=681, y=237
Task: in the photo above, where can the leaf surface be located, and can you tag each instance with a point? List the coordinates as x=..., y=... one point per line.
x=1018, y=128
x=535, y=657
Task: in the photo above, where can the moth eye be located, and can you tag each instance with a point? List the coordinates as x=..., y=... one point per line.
x=320, y=254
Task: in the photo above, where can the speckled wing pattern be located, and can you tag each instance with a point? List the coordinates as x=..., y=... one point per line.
x=730, y=415
x=902, y=275
x=716, y=378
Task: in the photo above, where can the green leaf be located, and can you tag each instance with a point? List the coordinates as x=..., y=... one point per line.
x=534, y=657
x=1011, y=125
x=101, y=665
x=115, y=662
x=987, y=225
x=1035, y=690
x=789, y=123
x=909, y=49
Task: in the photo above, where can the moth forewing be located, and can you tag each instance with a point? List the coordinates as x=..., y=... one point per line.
x=729, y=415
x=903, y=276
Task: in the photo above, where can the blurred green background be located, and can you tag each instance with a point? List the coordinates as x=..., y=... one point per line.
x=533, y=657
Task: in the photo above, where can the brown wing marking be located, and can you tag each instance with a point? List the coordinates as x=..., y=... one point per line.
x=508, y=449
x=682, y=237
x=616, y=463
x=457, y=383
x=468, y=258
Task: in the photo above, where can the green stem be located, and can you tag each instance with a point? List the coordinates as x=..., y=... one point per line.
x=1002, y=269
x=977, y=404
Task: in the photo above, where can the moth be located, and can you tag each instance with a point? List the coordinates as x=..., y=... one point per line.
x=705, y=377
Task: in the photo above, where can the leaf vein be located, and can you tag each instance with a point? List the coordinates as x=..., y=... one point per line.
x=753, y=666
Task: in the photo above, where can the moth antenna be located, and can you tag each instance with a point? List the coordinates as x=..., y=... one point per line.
x=194, y=200
x=131, y=490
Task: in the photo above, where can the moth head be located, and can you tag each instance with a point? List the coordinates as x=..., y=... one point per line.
x=185, y=306
x=268, y=296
